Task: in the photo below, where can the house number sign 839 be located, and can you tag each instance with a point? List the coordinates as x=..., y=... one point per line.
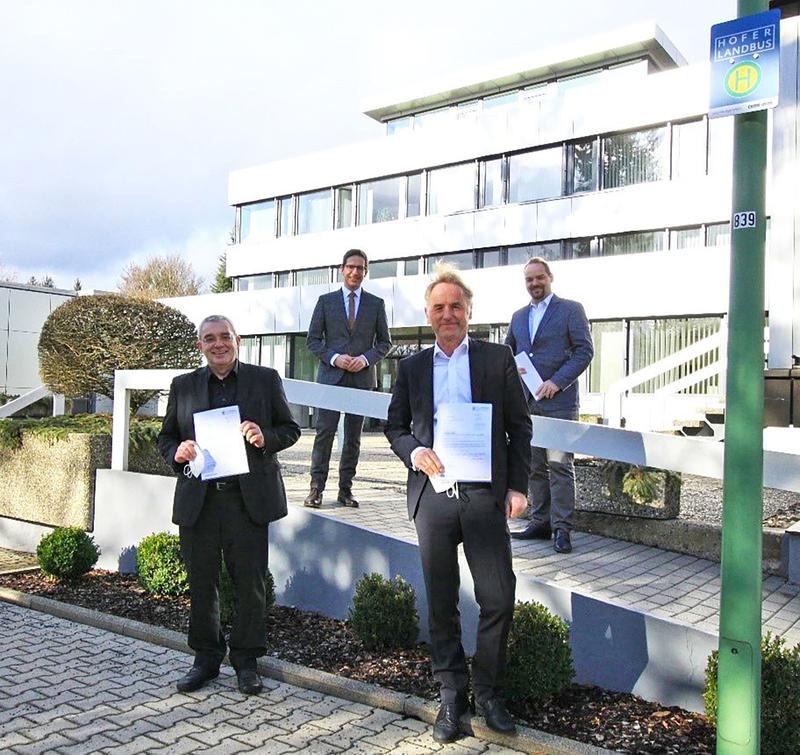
x=744, y=220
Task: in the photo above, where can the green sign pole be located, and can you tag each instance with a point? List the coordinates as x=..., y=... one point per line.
x=739, y=680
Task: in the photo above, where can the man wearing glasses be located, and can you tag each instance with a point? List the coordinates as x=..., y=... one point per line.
x=348, y=333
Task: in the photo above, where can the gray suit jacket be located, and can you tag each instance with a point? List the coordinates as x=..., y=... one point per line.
x=561, y=349
x=329, y=334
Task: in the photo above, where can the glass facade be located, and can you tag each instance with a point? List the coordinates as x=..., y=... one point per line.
x=258, y=220
x=491, y=183
x=314, y=211
x=635, y=157
x=632, y=243
x=535, y=175
x=451, y=189
x=379, y=201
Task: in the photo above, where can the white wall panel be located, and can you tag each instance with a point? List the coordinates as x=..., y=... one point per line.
x=27, y=310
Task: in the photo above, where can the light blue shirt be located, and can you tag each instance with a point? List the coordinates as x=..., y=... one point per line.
x=535, y=315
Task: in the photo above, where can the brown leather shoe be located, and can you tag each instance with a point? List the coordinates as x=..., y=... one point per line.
x=346, y=499
x=313, y=499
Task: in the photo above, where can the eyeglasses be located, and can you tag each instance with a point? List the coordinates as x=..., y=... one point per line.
x=355, y=268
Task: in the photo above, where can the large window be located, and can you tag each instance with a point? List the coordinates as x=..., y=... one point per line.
x=383, y=269
x=535, y=175
x=286, y=216
x=258, y=220
x=314, y=211
x=608, y=363
x=632, y=243
x=313, y=277
x=451, y=189
x=379, y=201
x=519, y=255
x=414, y=195
x=718, y=234
x=491, y=183
x=459, y=260
x=344, y=207
x=686, y=238
x=635, y=157
x=689, y=149
x=583, y=167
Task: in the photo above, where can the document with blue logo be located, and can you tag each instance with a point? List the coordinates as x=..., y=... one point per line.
x=463, y=443
x=217, y=433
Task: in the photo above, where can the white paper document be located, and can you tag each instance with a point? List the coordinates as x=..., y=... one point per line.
x=463, y=443
x=533, y=381
x=217, y=433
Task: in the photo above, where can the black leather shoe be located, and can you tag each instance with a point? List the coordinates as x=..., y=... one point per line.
x=346, y=499
x=534, y=531
x=496, y=716
x=561, y=542
x=446, y=727
x=313, y=499
x=249, y=681
x=197, y=677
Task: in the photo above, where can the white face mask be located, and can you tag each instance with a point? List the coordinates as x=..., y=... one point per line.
x=197, y=465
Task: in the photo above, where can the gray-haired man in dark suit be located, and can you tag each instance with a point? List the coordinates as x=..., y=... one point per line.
x=348, y=333
x=555, y=334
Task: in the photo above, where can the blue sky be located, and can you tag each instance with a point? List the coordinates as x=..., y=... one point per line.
x=121, y=120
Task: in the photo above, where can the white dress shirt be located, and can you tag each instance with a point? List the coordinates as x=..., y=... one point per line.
x=536, y=313
x=346, y=299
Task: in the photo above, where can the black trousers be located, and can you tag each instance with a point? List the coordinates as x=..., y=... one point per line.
x=476, y=520
x=327, y=422
x=224, y=530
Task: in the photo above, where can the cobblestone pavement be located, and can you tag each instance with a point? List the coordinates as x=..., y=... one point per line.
x=661, y=582
x=71, y=688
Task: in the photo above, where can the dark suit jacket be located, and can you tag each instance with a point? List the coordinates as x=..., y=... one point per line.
x=261, y=399
x=328, y=334
x=494, y=380
x=561, y=349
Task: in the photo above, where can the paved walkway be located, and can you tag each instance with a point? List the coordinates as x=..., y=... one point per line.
x=70, y=688
x=661, y=582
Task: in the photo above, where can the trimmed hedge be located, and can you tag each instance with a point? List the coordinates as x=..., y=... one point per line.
x=383, y=613
x=66, y=553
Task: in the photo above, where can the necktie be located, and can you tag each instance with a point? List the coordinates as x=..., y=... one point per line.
x=351, y=310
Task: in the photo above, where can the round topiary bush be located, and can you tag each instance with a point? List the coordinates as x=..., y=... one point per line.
x=384, y=614
x=159, y=565
x=66, y=553
x=780, y=695
x=539, y=654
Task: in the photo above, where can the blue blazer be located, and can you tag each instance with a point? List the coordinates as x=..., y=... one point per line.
x=329, y=334
x=561, y=350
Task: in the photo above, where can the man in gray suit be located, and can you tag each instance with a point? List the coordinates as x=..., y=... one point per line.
x=555, y=334
x=348, y=333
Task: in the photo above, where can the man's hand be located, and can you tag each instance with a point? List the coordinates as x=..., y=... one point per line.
x=515, y=503
x=343, y=362
x=357, y=364
x=186, y=451
x=252, y=433
x=428, y=462
x=547, y=389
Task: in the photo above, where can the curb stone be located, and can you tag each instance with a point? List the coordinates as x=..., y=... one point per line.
x=526, y=740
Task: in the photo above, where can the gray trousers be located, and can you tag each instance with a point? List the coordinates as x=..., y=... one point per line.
x=551, y=485
x=476, y=520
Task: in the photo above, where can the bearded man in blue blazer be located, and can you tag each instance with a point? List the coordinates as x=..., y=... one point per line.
x=555, y=334
x=349, y=334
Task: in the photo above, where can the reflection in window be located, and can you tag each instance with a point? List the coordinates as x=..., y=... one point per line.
x=459, y=260
x=282, y=280
x=584, y=165
x=451, y=189
x=608, y=364
x=500, y=100
x=718, y=234
x=258, y=220
x=383, y=269
x=312, y=277
x=411, y=267
x=686, y=238
x=396, y=125
x=491, y=182
x=575, y=249
x=534, y=175
x=632, y=243
x=491, y=257
x=689, y=149
x=414, y=195
x=379, y=201
x=519, y=255
x=344, y=207
x=635, y=157
x=254, y=282
x=314, y=212
x=286, y=215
